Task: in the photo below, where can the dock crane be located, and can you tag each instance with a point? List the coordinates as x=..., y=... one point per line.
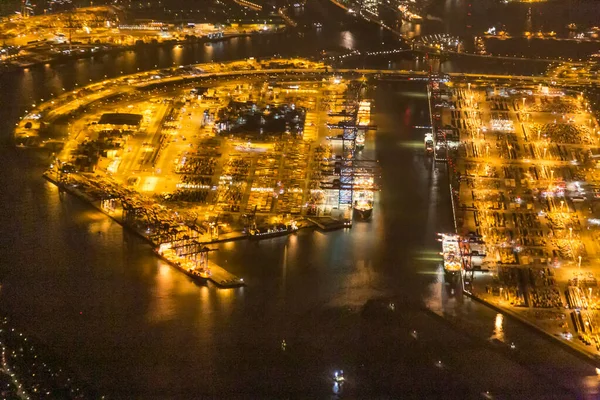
x=194, y=251
x=250, y=220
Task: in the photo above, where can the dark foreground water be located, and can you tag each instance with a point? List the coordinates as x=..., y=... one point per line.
x=132, y=327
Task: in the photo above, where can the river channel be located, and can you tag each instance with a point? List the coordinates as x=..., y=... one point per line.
x=133, y=327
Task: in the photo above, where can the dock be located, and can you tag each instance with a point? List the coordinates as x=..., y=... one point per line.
x=327, y=224
x=223, y=278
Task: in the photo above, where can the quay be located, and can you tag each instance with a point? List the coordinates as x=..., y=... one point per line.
x=218, y=275
x=222, y=278
x=523, y=188
x=327, y=224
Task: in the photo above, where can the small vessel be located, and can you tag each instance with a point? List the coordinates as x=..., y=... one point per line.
x=363, y=205
x=363, y=210
x=360, y=139
x=338, y=376
x=275, y=231
x=429, y=143
x=572, y=26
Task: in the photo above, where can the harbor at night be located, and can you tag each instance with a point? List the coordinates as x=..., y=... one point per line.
x=357, y=204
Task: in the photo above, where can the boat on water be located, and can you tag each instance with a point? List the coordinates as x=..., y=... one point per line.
x=338, y=376
x=267, y=233
x=200, y=275
x=360, y=140
x=429, y=143
x=452, y=256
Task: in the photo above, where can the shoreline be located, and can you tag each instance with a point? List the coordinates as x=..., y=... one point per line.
x=232, y=281
x=219, y=277
x=63, y=58
x=573, y=345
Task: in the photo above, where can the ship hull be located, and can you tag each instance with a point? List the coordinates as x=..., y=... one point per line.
x=270, y=235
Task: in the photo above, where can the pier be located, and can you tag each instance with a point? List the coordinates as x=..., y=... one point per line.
x=329, y=223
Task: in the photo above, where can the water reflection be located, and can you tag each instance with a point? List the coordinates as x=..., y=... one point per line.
x=498, y=328
x=347, y=40
x=163, y=305
x=177, y=55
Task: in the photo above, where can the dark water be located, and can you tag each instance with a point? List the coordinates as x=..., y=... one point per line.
x=466, y=19
x=474, y=17
x=132, y=327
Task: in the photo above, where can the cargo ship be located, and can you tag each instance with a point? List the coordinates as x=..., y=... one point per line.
x=200, y=275
x=360, y=139
x=451, y=254
x=363, y=211
x=363, y=119
x=275, y=231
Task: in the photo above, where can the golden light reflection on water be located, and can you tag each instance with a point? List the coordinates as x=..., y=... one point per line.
x=171, y=286
x=321, y=241
x=95, y=222
x=177, y=54
x=225, y=295
x=433, y=298
x=228, y=245
x=347, y=40
x=161, y=307
x=204, y=295
x=292, y=245
x=358, y=286
x=499, y=328
x=165, y=272
x=208, y=50
x=102, y=225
